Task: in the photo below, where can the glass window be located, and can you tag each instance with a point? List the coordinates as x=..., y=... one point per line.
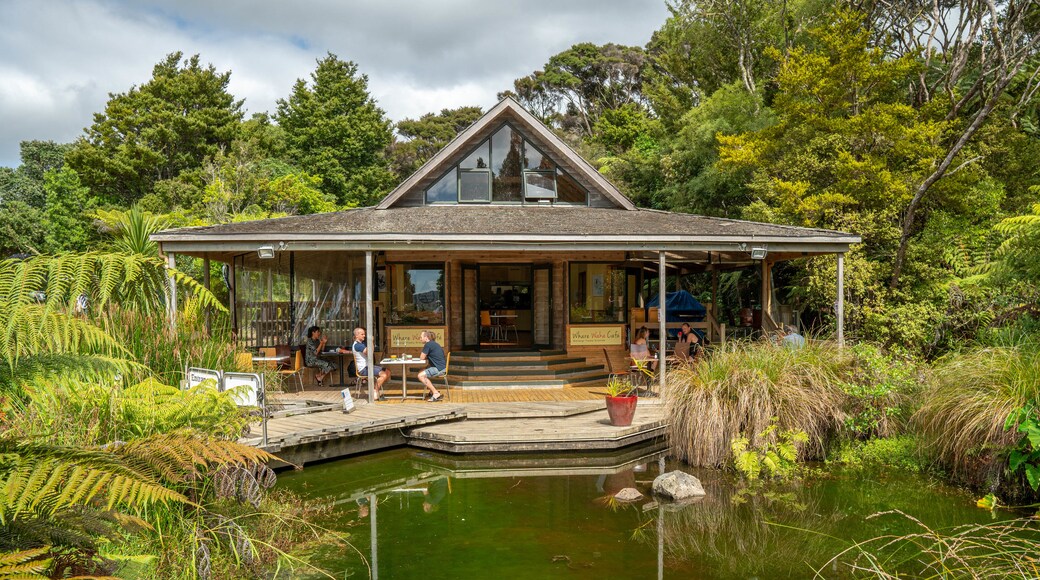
x=533, y=158
x=539, y=185
x=416, y=294
x=474, y=186
x=478, y=159
x=506, y=153
x=597, y=293
x=445, y=190
x=568, y=190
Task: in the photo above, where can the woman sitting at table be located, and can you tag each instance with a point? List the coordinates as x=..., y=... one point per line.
x=315, y=345
x=640, y=350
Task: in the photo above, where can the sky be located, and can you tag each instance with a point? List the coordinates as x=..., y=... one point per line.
x=60, y=59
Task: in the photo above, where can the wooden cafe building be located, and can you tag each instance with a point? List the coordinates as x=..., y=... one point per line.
x=505, y=241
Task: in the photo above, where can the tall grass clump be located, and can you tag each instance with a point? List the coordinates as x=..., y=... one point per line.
x=970, y=396
x=165, y=352
x=740, y=389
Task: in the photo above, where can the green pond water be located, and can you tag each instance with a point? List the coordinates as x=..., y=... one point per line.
x=425, y=515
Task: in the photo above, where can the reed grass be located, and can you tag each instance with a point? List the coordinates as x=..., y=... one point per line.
x=739, y=390
x=1005, y=550
x=970, y=395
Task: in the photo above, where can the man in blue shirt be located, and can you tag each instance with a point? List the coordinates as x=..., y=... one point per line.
x=433, y=354
x=792, y=339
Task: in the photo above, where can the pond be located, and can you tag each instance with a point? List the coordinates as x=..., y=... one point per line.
x=420, y=514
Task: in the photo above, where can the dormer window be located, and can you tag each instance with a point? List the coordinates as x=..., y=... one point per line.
x=506, y=169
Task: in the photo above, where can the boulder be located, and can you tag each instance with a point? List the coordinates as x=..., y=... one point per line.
x=628, y=494
x=676, y=485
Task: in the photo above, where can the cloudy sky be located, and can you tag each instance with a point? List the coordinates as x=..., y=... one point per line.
x=59, y=59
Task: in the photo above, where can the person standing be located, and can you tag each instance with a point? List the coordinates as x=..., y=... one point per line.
x=433, y=354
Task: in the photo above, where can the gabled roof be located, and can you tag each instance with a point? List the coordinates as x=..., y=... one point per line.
x=508, y=109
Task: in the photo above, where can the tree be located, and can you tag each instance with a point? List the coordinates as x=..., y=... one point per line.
x=66, y=223
x=25, y=184
x=157, y=131
x=585, y=80
x=844, y=153
x=972, y=52
x=425, y=136
x=334, y=130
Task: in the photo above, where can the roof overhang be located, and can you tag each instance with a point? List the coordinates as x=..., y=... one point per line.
x=202, y=243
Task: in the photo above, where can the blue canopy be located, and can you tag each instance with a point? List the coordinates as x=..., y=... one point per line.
x=681, y=306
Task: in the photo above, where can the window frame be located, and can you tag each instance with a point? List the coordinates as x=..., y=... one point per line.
x=615, y=266
x=390, y=306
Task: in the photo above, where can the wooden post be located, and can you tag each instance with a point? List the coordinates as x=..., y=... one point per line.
x=206, y=285
x=839, y=307
x=370, y=340
x=373, y=501
x=233, y=299
x=715, y=302
x=662, y=350
x=171, y=304
x=766, y=298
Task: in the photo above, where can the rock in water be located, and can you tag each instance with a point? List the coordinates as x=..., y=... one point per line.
x=628, y=494
x=678, y=485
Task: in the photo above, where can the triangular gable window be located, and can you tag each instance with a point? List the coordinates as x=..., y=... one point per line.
x=507, y=169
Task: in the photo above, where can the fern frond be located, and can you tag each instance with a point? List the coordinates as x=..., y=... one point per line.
x=39, y=480
x=24, y=564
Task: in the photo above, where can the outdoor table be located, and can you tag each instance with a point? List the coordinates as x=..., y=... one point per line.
x=340, y=355
x=403, y=362
x=276, y=360
x=498, y=329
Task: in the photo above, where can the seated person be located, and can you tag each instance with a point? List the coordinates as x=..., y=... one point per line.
x=687, y=345
x=360, y=350
x=640, y=350
x=433, y=354
x=792, y=339
x=316, y=340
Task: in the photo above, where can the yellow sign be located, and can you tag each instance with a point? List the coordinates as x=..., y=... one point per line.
x=596, y=335
x=408, y=337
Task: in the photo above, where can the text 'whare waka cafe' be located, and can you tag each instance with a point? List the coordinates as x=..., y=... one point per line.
x=505, y=242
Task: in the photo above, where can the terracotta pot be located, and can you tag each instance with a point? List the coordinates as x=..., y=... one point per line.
x=621, y=410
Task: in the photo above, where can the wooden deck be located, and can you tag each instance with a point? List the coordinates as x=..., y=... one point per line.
x=393, y=395
x=583, y=431
x=316, y=429
x=295, y=430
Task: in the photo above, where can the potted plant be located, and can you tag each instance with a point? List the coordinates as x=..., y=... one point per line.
x=621, y=401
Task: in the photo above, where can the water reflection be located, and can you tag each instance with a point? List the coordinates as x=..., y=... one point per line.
x=440, y=516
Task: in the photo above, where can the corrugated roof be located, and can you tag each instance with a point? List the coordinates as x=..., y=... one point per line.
x=474, y=220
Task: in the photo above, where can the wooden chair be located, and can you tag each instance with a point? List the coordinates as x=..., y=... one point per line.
x=610, y=367
x=359, y=380
x=485, y=323
x=447, y=365
x=295, y=370
x=244, y=362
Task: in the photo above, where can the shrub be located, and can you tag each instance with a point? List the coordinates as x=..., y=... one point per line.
x=878, y=392
x=900, y=452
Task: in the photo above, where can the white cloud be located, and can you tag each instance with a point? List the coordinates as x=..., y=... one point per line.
x=60, y=59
